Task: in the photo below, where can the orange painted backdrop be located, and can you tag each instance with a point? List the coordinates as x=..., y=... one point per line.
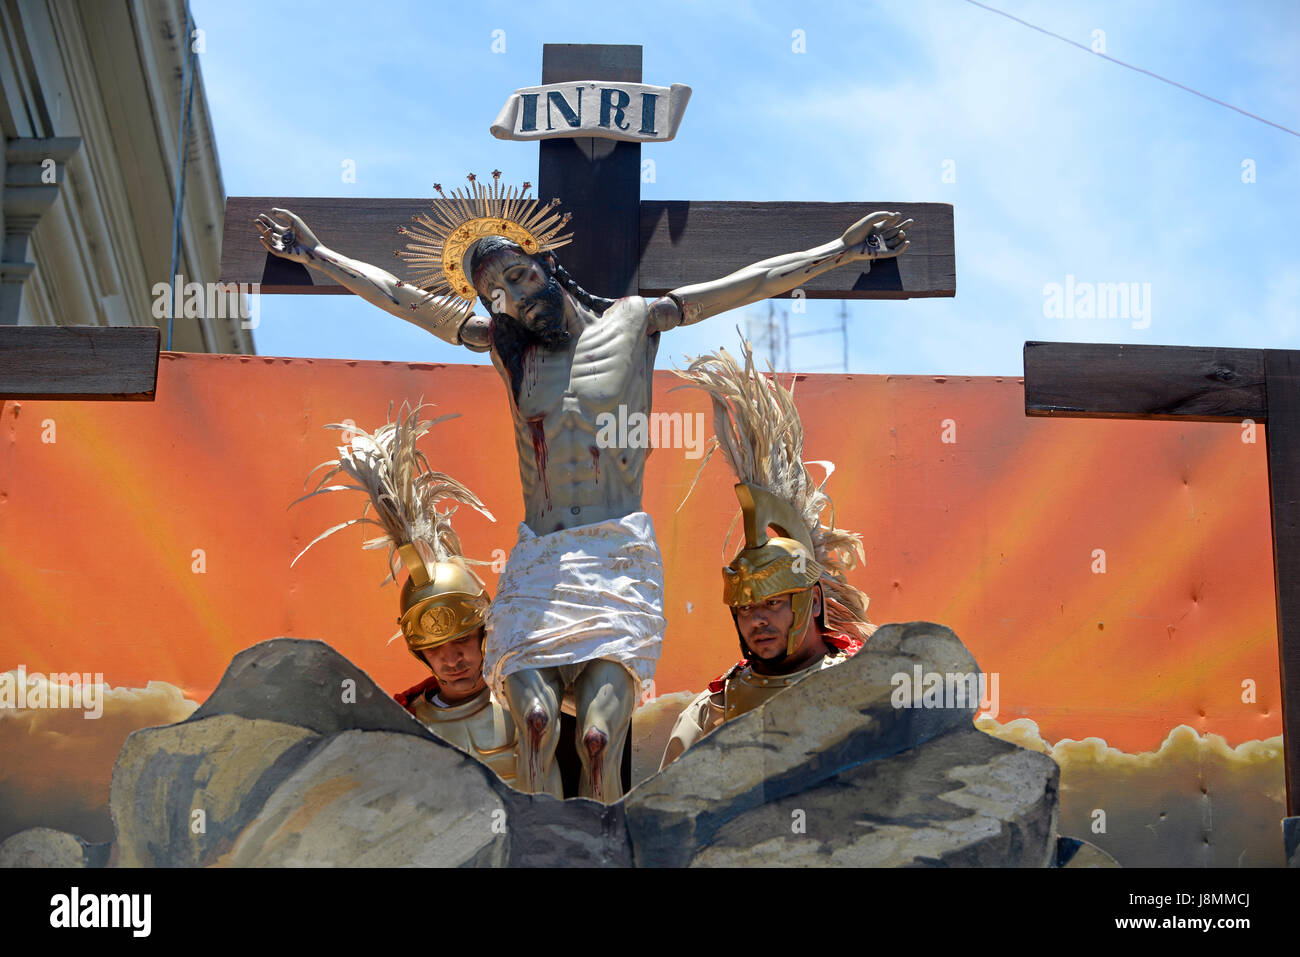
x=152, y=540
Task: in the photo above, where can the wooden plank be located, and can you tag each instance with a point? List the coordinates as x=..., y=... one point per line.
x=597, y=180
x=79, y=362
x=689, y=242
x=679, y=243
x=1283, y=438
x=1091, y=380
x=364, y=229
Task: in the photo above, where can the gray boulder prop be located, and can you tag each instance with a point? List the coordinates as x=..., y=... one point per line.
x=308, y=684
x=181, y=794
x=820, y=729
x=300, y=759
x=963, y=799
x=45, y=847
x=368, y=799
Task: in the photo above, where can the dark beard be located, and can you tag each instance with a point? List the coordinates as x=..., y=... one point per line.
x=552, y=333
x=767, y=662
x=511, y=339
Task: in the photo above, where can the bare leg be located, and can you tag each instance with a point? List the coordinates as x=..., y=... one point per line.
x=535, y=697
x=606, y=697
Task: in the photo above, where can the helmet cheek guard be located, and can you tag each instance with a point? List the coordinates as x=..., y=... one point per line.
x=801, y=602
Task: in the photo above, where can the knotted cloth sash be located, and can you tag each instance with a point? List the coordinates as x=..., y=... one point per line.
x=595, y=591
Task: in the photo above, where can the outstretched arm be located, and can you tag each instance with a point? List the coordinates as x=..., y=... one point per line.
x=878, y=236
x=296, y=242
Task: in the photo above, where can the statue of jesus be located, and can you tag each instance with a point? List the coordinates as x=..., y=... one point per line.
x=579, y=606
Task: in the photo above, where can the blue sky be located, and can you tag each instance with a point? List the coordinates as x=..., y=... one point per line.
x=1065, y=164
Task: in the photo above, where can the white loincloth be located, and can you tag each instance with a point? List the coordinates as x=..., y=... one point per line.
x=575, y=595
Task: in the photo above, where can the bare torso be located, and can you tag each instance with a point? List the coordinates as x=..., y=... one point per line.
x=568, y=477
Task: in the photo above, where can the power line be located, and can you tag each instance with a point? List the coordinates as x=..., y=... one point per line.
x=1130, y=66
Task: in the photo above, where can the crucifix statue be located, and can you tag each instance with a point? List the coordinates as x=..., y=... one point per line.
x=567, y=354
x=579, y=607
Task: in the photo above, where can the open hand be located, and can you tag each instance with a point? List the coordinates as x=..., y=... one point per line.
x=880, y=235
x=293, y=241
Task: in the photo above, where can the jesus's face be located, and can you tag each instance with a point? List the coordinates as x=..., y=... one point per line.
x=517, y=285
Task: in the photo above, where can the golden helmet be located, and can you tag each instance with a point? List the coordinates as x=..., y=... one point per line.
x=440, y=601
x=771, y=565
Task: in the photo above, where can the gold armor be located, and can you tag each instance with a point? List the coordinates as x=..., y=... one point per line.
x=479, y=726
x=772, y=565
x=743, y=690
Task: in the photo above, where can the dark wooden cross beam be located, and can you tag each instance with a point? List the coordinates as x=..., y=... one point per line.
x=1201, y=385
x=79, y=362
x=623, y=245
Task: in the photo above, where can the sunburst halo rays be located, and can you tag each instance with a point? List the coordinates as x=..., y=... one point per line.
x=445, y=232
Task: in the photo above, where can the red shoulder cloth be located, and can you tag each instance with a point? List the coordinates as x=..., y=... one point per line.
x=408, y=697
x=850, y=646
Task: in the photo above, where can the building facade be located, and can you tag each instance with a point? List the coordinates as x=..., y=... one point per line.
x=92, y=105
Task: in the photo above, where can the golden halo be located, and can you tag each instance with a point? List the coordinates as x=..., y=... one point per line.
x=445, y=233
x=453, y=251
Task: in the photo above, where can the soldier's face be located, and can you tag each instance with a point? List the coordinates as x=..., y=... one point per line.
x=517, y=285
x=458, y=666
x=764, y=626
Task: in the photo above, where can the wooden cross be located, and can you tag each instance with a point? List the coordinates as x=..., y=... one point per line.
x=623, y=245
x=1201, y=385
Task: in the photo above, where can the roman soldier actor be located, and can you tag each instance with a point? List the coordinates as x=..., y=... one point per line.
x=795, y=612
x=442, y=621
x=442, y=601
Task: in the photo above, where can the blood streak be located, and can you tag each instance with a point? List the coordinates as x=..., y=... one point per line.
x=539, y=455
x=536, y=725
x=595, y=740
x=595, y=461
x=530, y=367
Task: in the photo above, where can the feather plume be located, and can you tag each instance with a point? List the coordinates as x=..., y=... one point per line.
x=757, y=428
x=403, y=492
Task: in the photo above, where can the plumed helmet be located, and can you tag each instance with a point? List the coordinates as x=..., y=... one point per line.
x=771, y=565
x=757, y=428
x=440, y=601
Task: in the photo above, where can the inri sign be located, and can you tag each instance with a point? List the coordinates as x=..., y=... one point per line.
x=616, y=111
